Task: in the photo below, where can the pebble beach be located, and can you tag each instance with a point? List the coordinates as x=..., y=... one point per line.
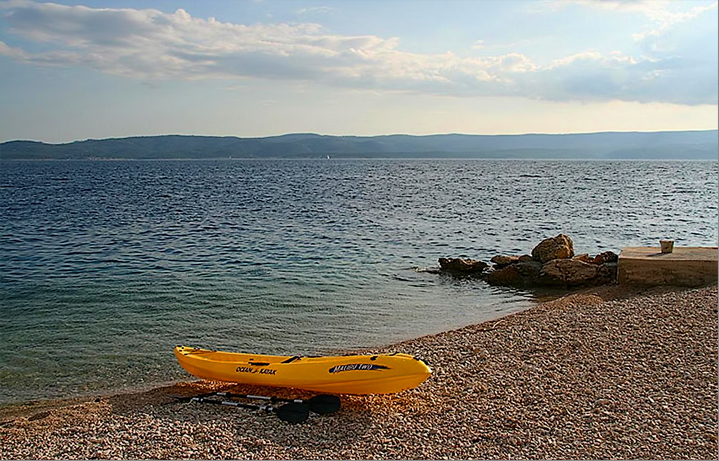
x=611, y=372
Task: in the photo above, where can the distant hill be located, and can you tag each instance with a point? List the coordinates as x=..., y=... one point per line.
x=609, y=145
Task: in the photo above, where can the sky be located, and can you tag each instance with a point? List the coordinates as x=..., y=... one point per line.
x=74, y=70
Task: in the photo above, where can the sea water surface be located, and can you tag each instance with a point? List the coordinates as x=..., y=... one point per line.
x=105, y=266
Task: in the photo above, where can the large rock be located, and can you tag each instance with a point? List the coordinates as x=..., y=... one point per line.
x=604, y=258
x=462, y=266
x=519, y=274
x=559, y=247
x=503, y=260
x=569, y=273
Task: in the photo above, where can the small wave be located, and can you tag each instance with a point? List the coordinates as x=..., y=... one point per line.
x=426, y=270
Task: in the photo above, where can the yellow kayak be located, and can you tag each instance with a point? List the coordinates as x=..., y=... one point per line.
x=347, y=374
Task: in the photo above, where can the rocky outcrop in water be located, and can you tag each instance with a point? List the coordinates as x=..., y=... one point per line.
x=552, y=263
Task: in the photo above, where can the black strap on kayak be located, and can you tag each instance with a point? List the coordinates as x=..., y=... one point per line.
x=321, y=404
x=291, y=359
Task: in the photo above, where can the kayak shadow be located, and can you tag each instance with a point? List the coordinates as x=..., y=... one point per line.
x=363, y=422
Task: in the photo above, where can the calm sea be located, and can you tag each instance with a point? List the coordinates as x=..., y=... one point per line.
x=105, y=266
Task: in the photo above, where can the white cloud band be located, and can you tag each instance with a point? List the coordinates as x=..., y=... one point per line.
x=150, y=44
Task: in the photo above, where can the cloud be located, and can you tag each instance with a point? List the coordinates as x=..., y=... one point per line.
x=318, y=10
x=671, y=27
x=666, y=18
x=11, y=52
x=151, y=45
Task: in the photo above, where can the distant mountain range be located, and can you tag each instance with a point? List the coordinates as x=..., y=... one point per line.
x=609, y=145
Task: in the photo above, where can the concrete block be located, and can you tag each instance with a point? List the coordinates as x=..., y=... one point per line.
x=685, y=266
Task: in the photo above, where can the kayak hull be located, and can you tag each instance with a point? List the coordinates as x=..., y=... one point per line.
x=348, y=374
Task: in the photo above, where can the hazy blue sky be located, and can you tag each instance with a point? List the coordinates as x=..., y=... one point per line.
x=96, y=69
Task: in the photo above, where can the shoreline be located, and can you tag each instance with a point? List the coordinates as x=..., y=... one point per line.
x=27, y=407
x=535, y=297
x=605, y=372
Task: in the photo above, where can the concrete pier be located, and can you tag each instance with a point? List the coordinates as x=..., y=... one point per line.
x=685, y=266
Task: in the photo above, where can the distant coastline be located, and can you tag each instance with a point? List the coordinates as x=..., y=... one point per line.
x=664, y=145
